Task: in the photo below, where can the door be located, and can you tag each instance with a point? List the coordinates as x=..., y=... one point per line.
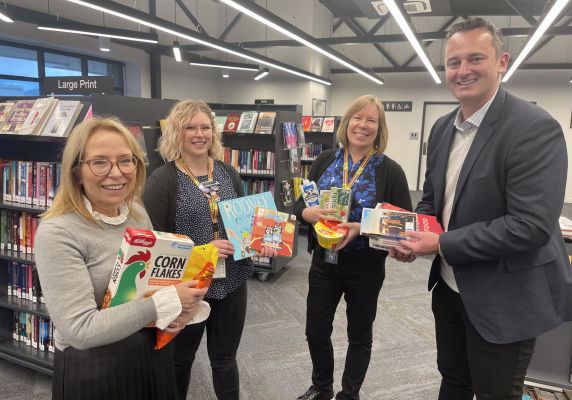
x=432, y=111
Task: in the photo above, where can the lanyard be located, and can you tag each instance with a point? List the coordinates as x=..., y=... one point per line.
x=208, y=192
x=345, y=183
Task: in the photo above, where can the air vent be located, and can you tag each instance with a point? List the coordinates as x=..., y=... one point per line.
x=412, y=7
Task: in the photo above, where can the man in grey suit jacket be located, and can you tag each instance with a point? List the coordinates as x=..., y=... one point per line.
x=496, y=176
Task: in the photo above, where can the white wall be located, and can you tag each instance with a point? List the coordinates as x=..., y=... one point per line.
x=183, y=81
x=550, y=89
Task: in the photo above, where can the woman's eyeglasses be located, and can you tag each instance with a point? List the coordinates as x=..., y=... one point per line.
x=102, y=167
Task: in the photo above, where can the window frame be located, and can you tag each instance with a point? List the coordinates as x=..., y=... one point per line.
x=40, y=52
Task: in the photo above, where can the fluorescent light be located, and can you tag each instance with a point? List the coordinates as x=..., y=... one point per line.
x=111, y=8
x=225, y=73
x=177, y=51
x=94, y=33
x=544, y=25
x=224, y=66
x=299, y=39
x=104, y=44
x=261, y=74
x=5, y=18
x=402, y=22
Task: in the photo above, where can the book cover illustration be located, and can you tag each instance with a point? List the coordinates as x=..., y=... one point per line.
x=136, y=130
x=328, y=124
x=306, y=122
x=20, y=112
x=294, y=163
x=425, y=223
x=287, y=192
x=301, y=136
x=231, y=123
x=310, y=193
x=220, y=121
x=265, y=123
x=38, y=116
x=273, y=229
x=316, y=124
x=237, y=216
x=247, y=122
x=5, y=111
x=340, y=201
x=290, y=134
x=325, y=199
x=63, y=118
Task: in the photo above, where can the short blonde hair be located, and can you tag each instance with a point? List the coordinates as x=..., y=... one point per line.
x=170, y=142
x=69, y=196
x=382, y=132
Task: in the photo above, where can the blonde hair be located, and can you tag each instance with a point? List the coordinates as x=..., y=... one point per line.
x=170, y=142
x=70, y=195
x=382, y=132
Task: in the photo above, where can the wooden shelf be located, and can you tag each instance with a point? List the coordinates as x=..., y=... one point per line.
x=18, y=257
x=14, y=303
x=26, y=356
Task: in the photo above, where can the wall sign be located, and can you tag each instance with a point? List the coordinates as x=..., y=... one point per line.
x=77, y=85
x=403, y=106
x=263, y=101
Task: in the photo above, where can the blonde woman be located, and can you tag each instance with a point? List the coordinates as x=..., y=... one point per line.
x=182, y=197
x=355, y=271
x=103, y=354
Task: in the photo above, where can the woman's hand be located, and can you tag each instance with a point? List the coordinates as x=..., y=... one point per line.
x=189, y=296
x=353, y=232
x=314, y=213
x=266, y=252
x=225, y=248
x=179, y=323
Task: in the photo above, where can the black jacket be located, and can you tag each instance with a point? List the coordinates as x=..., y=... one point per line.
x=390, y=185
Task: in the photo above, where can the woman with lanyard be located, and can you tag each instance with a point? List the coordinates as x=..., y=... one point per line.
x=354, y=270
x=182, y=197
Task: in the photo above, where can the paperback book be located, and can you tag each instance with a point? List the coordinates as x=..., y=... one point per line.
x=38, y=116
x=265, y=123
x=220, y=120
x=310, y=193
x=20, y=112
x=231, y=123
x=273, y=229
x=306, y=122
x=290, y=134
x=247, y=122
x=237, y=216
x=316, y=124
x=62, y=119
x=5, y=111
x=328, y=124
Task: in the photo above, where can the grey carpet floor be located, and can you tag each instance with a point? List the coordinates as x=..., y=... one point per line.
x=273, y=358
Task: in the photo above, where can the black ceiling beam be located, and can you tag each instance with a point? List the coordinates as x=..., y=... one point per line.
x=548, y=38
x=337, y=24
x=527, y=17
x=440, y=68
x=191, y=16
x=427, y=44
x=378, y=25
x=388, y=38
x=230, y=26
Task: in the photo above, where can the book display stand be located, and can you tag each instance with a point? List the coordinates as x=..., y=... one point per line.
x=274, y=143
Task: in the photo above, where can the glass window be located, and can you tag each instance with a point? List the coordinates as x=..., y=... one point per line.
x=60, y=65
x=99, y=68
x=18, y=61
x=12, y=88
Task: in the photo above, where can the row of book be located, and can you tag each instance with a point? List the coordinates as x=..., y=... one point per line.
x=250, y=161
x=247, y=122
x=318, y=124
x=43, y=116
x=34, y=331
x=23, y=282
x=253, y=186
x=29, y=183
x=18, y=231
x=311, y=150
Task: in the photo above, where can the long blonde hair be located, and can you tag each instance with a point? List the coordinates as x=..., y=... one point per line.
x=70, y=193
x=382, y=132
x=170, y=142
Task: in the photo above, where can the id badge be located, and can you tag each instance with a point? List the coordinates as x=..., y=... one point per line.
x=220, y=270
x=331, y=257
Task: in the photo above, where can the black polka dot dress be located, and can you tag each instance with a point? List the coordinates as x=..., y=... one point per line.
x=193, y=219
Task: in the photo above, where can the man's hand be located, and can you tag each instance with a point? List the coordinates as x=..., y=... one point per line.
x=402, y=254
x=421, y=243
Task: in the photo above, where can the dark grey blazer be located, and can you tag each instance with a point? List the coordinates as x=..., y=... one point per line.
x=504, y=242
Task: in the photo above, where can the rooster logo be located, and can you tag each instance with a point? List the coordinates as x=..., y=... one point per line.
x=133, y=272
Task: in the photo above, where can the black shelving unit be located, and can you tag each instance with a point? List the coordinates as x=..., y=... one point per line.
x=146, y=112
x=552, y=360
x=274, y=143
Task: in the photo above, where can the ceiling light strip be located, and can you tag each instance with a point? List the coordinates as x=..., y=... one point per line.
x=538, y=33
x=90, y=33
x=181, y=34
x=402, y=22
x=228, y=66
x=177, y=51
x=300, y=39
x=261, y=74
x=5, y=18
